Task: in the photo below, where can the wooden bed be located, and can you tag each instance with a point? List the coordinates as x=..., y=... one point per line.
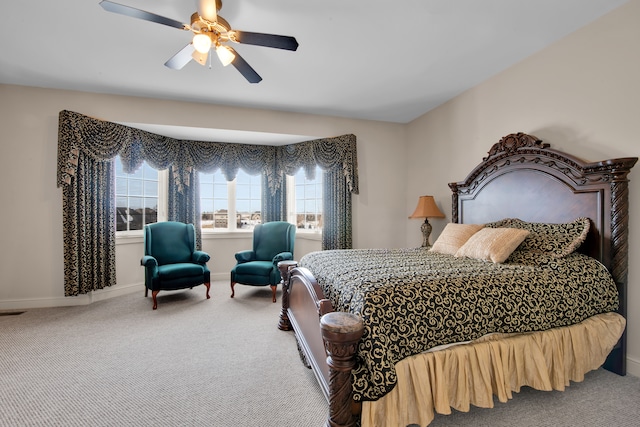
x=520, y=178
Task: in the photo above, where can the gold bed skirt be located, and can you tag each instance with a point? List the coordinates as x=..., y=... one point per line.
x=498, y=364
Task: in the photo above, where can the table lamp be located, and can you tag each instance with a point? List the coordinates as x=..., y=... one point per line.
x=426, y=209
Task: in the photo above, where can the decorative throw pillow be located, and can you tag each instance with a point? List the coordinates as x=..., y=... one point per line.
x=453, y=237
x=556, y=240
x=493, y=244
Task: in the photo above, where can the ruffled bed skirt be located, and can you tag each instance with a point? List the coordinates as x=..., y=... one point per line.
x=498, y=364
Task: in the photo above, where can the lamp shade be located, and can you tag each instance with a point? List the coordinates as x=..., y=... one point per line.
x=225, y=55
x=427, y=208
x=202, y=42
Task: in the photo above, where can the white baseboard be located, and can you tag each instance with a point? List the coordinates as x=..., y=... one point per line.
x=633, y=367
x=99, y=295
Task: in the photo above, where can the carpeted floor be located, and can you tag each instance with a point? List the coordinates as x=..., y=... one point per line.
x=219, y=362
x=603, y=399
x=193, y=362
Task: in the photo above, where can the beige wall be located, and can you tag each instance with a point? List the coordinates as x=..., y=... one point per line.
x=31, y=261
x=580, y=95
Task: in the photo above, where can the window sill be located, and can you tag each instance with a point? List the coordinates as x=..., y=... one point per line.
x=129, y=238
x=309, y=236
x=138, y=238
x=238, y=234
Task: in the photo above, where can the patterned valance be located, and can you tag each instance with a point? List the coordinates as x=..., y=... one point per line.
x=102, y=141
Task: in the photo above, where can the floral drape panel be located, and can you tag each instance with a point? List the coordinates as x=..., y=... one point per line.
x=184, y=203
x=336, y=200
x=89, y=224
x=274, y=203
x=86, y=147
x=88, y=211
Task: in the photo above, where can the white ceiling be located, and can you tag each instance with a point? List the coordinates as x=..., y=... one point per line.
x=368, y=59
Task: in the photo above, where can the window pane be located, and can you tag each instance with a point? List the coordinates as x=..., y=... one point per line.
x=308, y=200
x=151, y=203
x=136, y=203
x=243, y=206
x=121, y=185
x=135, y=187
x=248, y=200
x=136, y=220
x=213, y=200
x=136, y=197
x=243, y=191
x=119, y=171
x=150, y=210
x=206, y=207
x=151, y=188
x=219, y=205
x=122, y=214
x=206, y=189
x=220, y=219
x=149, y=172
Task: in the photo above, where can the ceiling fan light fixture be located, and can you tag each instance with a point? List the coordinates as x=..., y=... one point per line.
x=225, y=55
x=202, y=42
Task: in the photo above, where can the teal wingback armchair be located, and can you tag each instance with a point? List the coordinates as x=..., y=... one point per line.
x=272, y=242
x=171, y=260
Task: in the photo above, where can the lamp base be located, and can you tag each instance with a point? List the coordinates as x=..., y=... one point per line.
x=426, y=232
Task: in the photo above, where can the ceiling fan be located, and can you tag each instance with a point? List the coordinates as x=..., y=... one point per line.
x=210, y=31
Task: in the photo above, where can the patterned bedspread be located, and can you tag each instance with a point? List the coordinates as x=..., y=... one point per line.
x=411, y=300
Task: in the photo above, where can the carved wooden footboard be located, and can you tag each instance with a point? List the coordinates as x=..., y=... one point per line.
x=521, y=178
x=327, y=340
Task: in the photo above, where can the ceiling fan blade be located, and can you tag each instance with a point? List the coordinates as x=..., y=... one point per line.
x=267, y=40
x=182, y=58
x=141, y=14
x=208, y=10
x=244, y=68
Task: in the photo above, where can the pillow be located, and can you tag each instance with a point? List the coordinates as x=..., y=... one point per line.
x=556, y=240
x=453, y=237
x=492, y=244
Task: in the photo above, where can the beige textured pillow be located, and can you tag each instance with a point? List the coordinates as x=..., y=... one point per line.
x=453, y=237
x=493, y=244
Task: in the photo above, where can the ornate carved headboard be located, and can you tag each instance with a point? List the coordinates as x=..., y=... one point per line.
x=523, y=178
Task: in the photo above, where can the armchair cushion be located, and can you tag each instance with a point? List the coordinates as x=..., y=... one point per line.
x=182, y=269
x=282, y=256
x=245, y=256
x=149, y=261
x=255, y=268
x=200, y=257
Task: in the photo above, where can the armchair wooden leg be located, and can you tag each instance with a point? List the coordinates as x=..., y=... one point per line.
x=155, y=301
x=273, y=291
x=233, y=292
x=208, y=285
